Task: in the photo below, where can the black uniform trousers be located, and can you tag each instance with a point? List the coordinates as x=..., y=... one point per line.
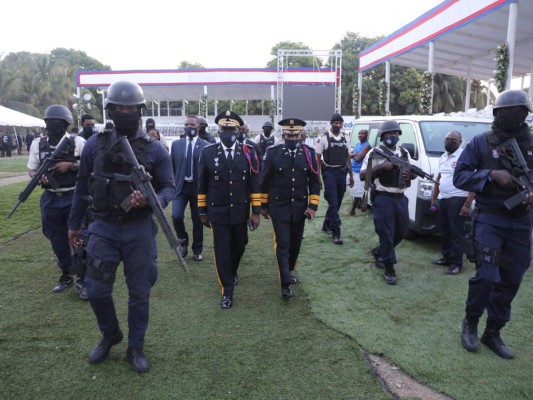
x=391, y=220
x=334, y=189
x=229, y=245
x=452, y=229
x=287, y=243
x=189, y=196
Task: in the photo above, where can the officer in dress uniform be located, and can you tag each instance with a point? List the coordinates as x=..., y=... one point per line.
x=59, y=184
x=117, y=235
x=228, y=185
x=333, y=155
x=502, y=236
x=290, y=189
x=390, y=205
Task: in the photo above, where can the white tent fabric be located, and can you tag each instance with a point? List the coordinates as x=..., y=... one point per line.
x=9, y=117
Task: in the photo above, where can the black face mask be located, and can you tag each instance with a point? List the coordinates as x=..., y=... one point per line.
x=201, y=130
x=190, y=132
x=242, y=136
x=451, y=147
x=88, y=131
x=391, y=142
x=292, y=144
x=126, y=123
x=510, y=120
x=56, y=130
x=335, y=129
x=267, y=132
x=228, y=137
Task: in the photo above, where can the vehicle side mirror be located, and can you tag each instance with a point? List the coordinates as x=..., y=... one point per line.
x=410, y=147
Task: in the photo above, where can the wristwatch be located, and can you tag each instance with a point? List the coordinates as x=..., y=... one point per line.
x=74, y=167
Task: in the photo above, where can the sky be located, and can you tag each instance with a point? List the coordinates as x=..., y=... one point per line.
x=160, y=34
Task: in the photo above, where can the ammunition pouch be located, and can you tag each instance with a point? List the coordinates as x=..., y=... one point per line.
x=486, y=254
x=99, y=190
x=101, y=271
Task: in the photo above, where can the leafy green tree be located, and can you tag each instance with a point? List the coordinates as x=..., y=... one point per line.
x=190, y=65
x=294, y=62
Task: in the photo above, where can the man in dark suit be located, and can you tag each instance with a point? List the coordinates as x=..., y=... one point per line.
x=290, y=189
x=229, y=183
x=185, y=154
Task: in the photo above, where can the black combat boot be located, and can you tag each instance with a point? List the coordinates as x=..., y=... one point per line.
x=336, y=234
x=100, y=352
x=491, y=338
x=137, y=359
x=469, y=337
x=390, y=275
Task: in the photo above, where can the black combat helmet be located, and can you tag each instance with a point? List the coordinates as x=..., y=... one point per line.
x=202, y=121
x=389, y=126
x=125, y=93
x=268, y=124
x=512, y=98
x=57, y=111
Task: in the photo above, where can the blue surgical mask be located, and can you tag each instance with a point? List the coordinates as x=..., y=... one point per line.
x=391, y=141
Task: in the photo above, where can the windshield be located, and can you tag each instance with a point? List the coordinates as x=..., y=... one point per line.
x=434, y=132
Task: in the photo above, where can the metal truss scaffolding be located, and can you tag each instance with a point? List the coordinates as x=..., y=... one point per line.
x=335, y=59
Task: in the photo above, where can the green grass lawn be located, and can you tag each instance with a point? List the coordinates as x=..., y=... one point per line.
x=310, y=347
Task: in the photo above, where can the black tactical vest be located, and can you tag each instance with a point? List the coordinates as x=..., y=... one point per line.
x=66, y=180
x=335, y=154
x=264, y=143
x=392, y=178
x=106, y=191
x=493, y=161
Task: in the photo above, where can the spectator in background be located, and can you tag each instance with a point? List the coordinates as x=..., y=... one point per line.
x=358, y=155
x=152, y=131
x=87, y=126
x=7, y=143
x=19, y=144
x=29, y=138
x=453, y=206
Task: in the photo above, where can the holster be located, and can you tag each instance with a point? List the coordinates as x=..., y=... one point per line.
x=101, y=271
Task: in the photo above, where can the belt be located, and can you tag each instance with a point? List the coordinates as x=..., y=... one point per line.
x=60, y=194
x=187, y=181
x=502, y=211
x=389, y=194
x=119, y=219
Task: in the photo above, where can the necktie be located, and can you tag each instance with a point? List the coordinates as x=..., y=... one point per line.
x=293, y=154
x=188, y=168
x=230, y=158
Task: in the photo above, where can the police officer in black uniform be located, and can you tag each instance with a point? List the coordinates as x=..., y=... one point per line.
x=266, y=138
x=502, y=236
x=228, y=184
x=334, y=156
x=389, y=206
x=58, y=184
x=290, y=189
x=203, y=132
x=116, y=235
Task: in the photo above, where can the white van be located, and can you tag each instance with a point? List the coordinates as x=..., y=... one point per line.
x=423, y=136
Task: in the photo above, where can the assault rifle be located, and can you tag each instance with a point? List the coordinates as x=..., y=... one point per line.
x=65, y=145
x=140, y=180
x=404, y=166
x=510, y=151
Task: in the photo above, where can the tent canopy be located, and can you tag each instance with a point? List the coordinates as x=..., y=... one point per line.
x=9, y=117
x=465, y=34
x=218, y=84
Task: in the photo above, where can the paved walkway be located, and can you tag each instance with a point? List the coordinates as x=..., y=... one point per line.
x=14, y=179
